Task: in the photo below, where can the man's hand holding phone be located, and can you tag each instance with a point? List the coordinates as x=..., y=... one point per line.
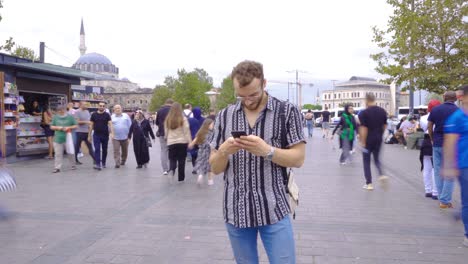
x=253, y=144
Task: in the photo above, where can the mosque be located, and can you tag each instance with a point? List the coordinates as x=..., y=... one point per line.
x=116, y=90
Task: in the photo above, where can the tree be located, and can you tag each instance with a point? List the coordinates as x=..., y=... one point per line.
x=160, y=94
x=431, y=96
x=190, y=88
x=432, y=36
x=312, y=107
x=24, y=52
x=227, y=94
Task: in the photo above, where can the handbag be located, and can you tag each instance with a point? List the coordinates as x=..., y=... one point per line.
x=7, y=182
x=148, y=142
x=288, y=175
x=69, y=145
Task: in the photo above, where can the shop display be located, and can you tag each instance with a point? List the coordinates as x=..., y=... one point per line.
x=9, y=106
x=31, y=137
x=92, y=94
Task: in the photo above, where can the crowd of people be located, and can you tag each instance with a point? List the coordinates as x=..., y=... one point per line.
x=181, y=133
x=440, y=134
x=253, y=142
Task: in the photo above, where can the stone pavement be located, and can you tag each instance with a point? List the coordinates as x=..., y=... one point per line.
x=138, y=216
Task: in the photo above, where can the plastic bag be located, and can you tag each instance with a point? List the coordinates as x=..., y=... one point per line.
x=69, y=146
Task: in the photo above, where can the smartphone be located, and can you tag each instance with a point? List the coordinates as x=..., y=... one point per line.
x=238, y=134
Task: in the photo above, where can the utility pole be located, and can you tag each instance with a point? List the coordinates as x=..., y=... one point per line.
x=411, y=92
x=298, y=88
x=333, y=96
x=41, y=52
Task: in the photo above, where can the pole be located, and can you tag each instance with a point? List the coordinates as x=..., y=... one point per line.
x=411, y=92
x=298, y=91
x=41, y=52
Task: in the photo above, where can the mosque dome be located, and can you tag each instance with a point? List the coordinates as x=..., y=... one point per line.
x=93, y=58
x=97, y=63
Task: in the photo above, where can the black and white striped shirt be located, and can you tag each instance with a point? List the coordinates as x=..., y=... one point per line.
x=254, y=191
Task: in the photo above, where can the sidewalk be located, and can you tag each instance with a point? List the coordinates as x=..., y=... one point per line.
x=137, y=216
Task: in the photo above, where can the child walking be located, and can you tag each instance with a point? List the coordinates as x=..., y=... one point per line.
x=202, y=139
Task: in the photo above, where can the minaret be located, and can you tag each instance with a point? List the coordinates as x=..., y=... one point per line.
x=82, y=40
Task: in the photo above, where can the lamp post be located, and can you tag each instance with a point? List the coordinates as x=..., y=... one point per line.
x=333, y=96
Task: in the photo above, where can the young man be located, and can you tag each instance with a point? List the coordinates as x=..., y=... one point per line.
x=101, y=124
x=373, y=124
x=254, y=192
x=83, y=117
x=437, y=118
x=160, y=118
x=121, y=123
x=456, y=154
x=325, y=122
x=62, y=123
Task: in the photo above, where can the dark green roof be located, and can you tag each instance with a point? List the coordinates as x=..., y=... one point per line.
x=56, y=69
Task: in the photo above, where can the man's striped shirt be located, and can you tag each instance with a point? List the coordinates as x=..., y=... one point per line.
x=254, y=191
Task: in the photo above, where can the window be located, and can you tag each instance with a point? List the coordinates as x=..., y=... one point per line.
x=339, y=96
x=141, y=101
x=133, y=101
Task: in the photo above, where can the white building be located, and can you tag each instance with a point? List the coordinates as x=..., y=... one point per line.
x=354, y=92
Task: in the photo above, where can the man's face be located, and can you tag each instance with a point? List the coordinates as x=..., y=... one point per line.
x=251, y=95
x=118, y=109
x=84, y=105
x=101, y=107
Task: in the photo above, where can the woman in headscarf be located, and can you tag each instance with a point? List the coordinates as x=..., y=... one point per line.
x=195, y=123
x=425, y=154
x=348, y=130
x=141, y=130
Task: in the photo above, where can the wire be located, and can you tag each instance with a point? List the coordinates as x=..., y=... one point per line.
x=61, y=55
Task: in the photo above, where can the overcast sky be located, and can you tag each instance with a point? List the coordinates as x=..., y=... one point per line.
x=149, y=40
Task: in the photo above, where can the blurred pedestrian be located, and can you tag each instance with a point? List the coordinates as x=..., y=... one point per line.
x=435, y=127
x=83, y=117
x=425, y=155
x=62, y=123
x=202, y=140
x=455, y=147
x=101, y=125
x=373, y=124
x=347, y=126
x=141, y=132
x=177, y=133
x=195, y=123
x=309, y=118
x=48, y=132
x=160, y=120
x=121, y=123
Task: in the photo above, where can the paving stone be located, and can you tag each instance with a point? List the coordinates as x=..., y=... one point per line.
x=140, y=217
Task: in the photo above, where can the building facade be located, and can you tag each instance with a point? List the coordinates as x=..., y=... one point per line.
x=140, y=98
x=354, y=92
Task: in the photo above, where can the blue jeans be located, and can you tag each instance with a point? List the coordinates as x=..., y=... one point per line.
x=98, y=141
x=278, y=240
x=444, y=187
x=310, y=128
x=464, y=197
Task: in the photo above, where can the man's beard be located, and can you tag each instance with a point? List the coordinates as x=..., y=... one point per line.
x=254, y=106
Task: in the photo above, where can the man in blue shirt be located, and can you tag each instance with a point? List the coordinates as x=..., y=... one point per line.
x=121, y=123
x=435, y=126
x=456, y=154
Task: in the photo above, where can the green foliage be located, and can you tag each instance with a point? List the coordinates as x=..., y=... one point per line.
x=160, y=94
x=227, y=94
x=433, y=36
x=431, y=96
x=24, y=52
x=312, y=107
x=190, y=88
